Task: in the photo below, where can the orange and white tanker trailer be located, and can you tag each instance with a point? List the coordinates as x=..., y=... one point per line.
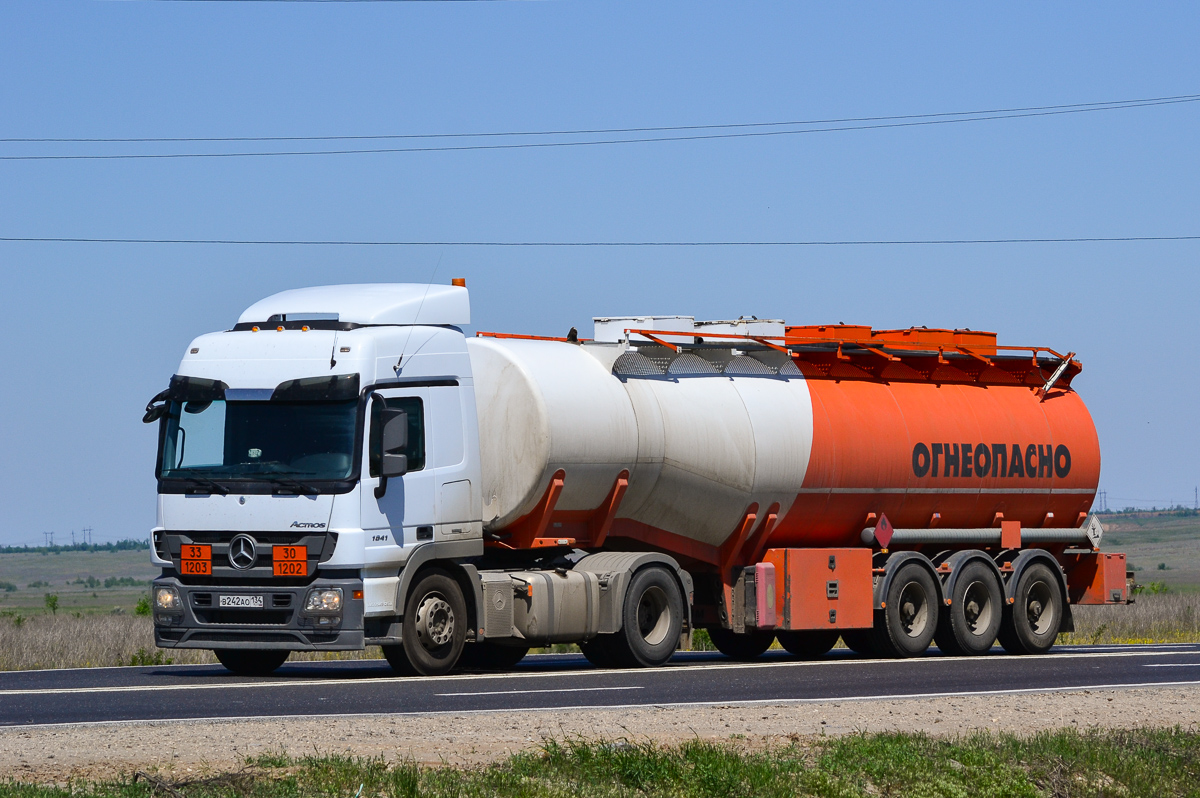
x=894, y=488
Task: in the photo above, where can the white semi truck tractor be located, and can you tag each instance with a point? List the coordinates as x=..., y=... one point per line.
x=344, y=468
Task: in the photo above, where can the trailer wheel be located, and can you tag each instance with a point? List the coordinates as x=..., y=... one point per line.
x=808, y=644
x=970, y=624
x=434, y=629
x=909, y=618
x=1032, y=621
x=651, y=620
x=744, y=647
x=491, y=656
x=860, y=641
x=250, y=662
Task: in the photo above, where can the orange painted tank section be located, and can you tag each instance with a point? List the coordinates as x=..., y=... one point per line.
x=867, y=458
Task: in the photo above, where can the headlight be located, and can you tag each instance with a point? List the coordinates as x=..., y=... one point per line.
x=324, y=600
x=165, y=598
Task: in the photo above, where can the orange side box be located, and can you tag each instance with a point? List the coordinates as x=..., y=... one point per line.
x=822, y=588
x=1096, y=577
x=195, y=559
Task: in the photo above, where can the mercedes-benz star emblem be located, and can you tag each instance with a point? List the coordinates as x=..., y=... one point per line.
x=242, y=552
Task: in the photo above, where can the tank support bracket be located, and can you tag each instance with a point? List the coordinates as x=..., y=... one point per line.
x=534, y=525
x=600, y=523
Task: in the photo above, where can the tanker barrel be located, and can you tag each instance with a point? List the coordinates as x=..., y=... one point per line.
x=983, y=537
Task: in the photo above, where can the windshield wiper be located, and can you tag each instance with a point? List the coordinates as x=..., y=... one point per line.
x=212, y=485
x=299, y=487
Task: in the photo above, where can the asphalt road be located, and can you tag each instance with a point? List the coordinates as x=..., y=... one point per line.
x=566, y=681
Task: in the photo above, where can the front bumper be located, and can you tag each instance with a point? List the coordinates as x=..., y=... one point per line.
x=279, y=624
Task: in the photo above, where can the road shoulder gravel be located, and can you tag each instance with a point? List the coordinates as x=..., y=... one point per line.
x=56, y=754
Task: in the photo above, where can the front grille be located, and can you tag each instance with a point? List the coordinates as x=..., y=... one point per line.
x=319, y=547
x=244, y=617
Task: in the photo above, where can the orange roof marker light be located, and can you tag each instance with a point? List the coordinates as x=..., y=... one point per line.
x=461, y=282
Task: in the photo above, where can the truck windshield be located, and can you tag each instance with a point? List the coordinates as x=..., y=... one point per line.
x=266, y=441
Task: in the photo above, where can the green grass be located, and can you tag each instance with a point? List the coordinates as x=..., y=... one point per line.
x=1144, y=762
x=84, y=581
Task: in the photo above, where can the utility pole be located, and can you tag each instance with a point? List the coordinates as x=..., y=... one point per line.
x=87, y=530
x=72, y=538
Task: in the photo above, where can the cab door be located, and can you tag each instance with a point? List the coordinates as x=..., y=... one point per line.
x=406, y=513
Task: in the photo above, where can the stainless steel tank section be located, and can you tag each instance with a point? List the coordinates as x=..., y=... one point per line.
x=700, y=447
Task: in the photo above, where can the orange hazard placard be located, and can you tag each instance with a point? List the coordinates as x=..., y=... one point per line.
x=289, y=560
x=195, y=560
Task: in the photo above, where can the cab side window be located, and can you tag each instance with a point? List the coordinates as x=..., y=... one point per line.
x=415, y=408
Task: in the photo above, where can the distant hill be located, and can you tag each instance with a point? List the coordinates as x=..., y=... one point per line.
x=1162, y=545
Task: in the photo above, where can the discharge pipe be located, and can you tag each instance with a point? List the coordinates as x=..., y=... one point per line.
x=1087, y=535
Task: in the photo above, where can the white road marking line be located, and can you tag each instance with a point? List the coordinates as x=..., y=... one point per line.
x=538, y=692
x=535, y=657
x=571, y=674
x=649, y=705
x=1173, y=665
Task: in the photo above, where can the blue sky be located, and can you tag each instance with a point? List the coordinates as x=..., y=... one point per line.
x=94, y=330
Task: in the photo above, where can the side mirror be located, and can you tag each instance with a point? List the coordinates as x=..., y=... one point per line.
x=393, y=463
x=395, y=432
x=154, y=410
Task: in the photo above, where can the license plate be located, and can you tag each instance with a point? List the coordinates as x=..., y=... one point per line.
x=255, y=602
x=289, y=560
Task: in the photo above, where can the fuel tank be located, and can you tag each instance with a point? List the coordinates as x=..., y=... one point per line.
x=683, y=444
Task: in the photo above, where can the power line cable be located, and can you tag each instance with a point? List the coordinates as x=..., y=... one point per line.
x=1105, y=105
x=415, y=243
x=593, y=142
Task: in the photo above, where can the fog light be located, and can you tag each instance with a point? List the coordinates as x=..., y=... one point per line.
x=324, y=600
x=165, y=598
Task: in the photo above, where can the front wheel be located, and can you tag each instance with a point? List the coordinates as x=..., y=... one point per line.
x=250, y=662
x=434, y=628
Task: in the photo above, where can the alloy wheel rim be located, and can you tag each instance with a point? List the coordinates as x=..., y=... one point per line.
x=435, y=622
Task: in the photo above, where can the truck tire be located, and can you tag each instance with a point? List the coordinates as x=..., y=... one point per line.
x=434, y=629
x=744, y=647
x=251, y=662
x=808, y=644
x=969, y=626
x=1032, y=621
x=906, y=625
x=396, y=657
x=651, y=620
x=860, y=641
x=491, y=656
x=600, y=651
